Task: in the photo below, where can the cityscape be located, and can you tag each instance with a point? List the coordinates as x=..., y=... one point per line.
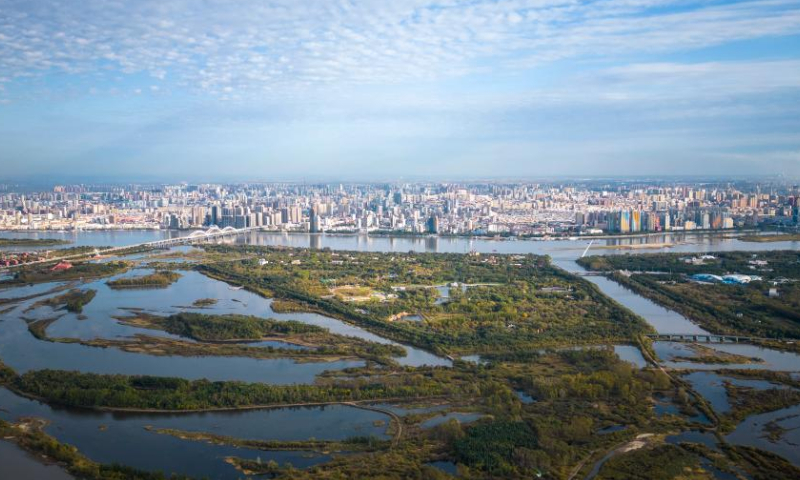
x=481, y=209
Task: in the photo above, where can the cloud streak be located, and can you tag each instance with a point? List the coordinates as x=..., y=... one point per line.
x=284, y=47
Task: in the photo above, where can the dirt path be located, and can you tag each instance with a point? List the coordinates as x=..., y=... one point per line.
x=396, y=418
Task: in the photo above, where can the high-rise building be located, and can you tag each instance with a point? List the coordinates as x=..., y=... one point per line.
x=433, y=224
x=314, y=224
x=636, y=221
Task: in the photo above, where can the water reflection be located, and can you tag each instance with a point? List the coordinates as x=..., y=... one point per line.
x=460, y=416
x=772, y=359
x=751, y=432
x=711, y=386
x=17, y=463
x=108, y=438
x=23, y=352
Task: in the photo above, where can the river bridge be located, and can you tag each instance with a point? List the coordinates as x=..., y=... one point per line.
x=197, y=236
x=710, y=338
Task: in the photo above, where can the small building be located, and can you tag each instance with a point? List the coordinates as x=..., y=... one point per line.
x=737, y=279
x=61, y=266
x=706, y=277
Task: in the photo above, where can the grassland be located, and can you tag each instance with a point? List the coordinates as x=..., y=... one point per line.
x=80, y=271
x=72, y=301
x=519, y=302
x=787, y=237
x=160, y=279
x=31, y=242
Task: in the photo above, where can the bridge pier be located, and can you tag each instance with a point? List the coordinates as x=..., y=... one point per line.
x=708, y=338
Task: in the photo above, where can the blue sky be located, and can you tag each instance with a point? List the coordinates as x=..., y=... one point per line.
x=376, y=89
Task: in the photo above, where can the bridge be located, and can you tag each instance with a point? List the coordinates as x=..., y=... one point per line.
x=198, y=236
x=710, y=338
x=195, y=237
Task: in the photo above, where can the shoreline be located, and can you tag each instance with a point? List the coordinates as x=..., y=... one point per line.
x=363, y=404
x=733, y=233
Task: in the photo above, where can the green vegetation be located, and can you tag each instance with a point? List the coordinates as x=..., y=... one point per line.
x=204, y=302
x=492, y=446
x=163, y=393
x=8, y=300
x=38, y=328
x=31, y=242
x=762, y=465
x=397, y=464
x=750, y=401
x=514, y=440
x=228, y=327
x=578, y=392
x=784, y=378
x=350, y=444
x=521, y=302
x=788, y=237
x=71, y=301
x=44, y=273
x=219, y=336
x=516, y=310
x=232, y=329
x=160, y=279
x=663, y=462
x=255, y=467
x=704, y=354
x=780, y=263
x=746, y=310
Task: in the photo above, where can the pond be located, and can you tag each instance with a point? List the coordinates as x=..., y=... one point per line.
x=524, y=397
x=123, y=438
x=630, y=354
x=751, y=432
x=772, y=359
x=462, y=417
x=445, y=466
x=711, y=386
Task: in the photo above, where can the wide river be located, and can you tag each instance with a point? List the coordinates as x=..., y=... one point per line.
x=122, y=438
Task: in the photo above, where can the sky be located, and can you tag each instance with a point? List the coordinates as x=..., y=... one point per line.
x=391, y=89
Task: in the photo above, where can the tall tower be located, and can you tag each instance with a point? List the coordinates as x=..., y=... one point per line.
x=314, y=226
x=433, y=224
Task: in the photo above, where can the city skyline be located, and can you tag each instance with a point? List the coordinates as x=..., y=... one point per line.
x=466, y=209
x=365, y=91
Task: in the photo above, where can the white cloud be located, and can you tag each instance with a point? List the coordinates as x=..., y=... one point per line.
x=280, y=46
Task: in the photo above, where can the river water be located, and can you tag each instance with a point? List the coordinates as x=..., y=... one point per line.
x=122, y=438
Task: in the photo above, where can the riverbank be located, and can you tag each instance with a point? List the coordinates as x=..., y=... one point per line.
x=787, y=237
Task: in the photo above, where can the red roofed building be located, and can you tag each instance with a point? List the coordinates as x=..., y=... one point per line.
x=61, y=266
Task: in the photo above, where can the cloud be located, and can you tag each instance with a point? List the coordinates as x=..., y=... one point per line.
x=285, y=47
